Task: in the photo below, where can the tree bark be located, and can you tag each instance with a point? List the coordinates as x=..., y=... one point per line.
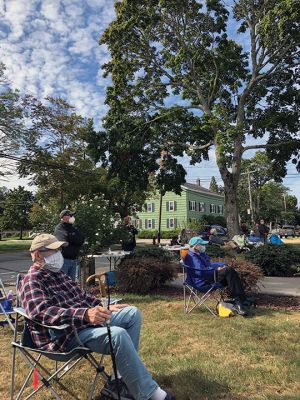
x=231, y=207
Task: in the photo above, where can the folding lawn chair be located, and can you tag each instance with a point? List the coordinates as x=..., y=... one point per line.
x=105, y=281
x=63, y=363
x=6, y=308
x=197, y=290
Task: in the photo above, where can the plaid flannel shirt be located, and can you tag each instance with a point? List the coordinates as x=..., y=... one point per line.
x=52, y=298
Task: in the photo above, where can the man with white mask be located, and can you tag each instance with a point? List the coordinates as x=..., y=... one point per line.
x=66, y=232
x=51, y=298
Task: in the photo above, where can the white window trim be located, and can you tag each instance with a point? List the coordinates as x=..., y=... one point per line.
x=202, y=207
x=149, y=207
x=149, y=226
x=193, y=205
x=173, y=205
x=172, y=224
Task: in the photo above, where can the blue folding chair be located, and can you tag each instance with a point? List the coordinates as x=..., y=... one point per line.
x=197, y=289
x=6, y=308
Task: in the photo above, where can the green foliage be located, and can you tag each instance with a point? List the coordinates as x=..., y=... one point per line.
x=217, y=251
x=225, y=93
x=144, y=271
x=95, y=219
x=11, y=119
x=275, y=260
x=149, y=233
x=16, y=204
x=57, y=144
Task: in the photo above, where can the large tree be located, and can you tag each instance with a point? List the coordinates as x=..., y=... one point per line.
x=182, y=82
x=54, y=154
x=11, y=122
x=16, y=205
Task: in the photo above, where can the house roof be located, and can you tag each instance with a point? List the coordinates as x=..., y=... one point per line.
x=200, y=189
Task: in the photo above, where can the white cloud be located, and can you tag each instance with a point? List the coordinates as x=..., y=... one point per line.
x=52, y=48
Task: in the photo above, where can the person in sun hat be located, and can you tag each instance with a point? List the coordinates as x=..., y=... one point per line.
x=66, y=231
x=50, y=297
x=227, y=276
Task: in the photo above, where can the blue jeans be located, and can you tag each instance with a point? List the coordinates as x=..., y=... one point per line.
x=70, y=268
x=125, y=331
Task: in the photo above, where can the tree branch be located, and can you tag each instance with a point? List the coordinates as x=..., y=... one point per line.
x=270, y=145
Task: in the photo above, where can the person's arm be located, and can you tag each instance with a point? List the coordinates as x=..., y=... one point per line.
x=41, y=309
x=60, y=233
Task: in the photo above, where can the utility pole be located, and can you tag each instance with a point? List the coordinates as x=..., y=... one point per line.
x=159, y=217
x=250, y=198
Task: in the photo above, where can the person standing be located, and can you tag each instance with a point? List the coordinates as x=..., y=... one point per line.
x=66, y=232
x=263, y=230
x=129, y=242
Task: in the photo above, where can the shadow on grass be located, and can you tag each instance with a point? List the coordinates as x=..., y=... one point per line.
x=192, y=385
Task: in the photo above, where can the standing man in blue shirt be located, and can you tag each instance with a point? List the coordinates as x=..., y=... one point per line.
x=66, y=232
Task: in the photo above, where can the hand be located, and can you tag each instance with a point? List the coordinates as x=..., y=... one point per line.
x=117, y=307
x=97, y=315
x=220, y=268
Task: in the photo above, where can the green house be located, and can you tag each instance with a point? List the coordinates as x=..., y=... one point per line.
x=178, y=210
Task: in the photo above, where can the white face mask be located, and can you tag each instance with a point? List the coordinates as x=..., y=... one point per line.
x=54, y=262
x=71, y=220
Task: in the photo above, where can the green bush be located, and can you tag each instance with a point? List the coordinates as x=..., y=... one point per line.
x=275, y=260
x=145, y=270
x=216, y=251
x=149, y=233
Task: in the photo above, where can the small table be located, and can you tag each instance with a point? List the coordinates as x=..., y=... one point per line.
x=113, y=257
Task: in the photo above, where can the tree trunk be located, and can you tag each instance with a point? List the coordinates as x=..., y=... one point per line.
x=231, y=206
x=21, y=233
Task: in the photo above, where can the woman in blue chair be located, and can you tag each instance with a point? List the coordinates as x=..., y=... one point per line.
x=227, y=276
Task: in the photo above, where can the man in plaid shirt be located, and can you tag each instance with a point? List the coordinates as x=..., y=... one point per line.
x=51, y=298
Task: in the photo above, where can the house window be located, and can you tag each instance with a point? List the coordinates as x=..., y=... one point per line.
x=171, y=223
x=150, y=207
x=138, y=223
x=220, y=209
x=149, y=223
x=202, y=207
x=171, y=205
x=192, y=205
x=212, y=208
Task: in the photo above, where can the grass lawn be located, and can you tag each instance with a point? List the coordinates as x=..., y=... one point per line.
x=13, y=245
x=199, y=357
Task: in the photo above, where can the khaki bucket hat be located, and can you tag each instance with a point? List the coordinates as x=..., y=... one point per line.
x=46, y=241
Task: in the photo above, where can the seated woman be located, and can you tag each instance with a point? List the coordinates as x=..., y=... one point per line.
x=227, y=276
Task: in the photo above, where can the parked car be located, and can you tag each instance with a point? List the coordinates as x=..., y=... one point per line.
x=285, y=231
x=297, y=230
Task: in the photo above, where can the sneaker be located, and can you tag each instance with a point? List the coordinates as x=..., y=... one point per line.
x=169, y=397
x=110, y=390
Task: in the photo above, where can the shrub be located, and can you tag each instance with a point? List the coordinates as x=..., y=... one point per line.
x=217, y=251
x=248, y=272
x=149, y=233
x=275, y=260
x=145, y=270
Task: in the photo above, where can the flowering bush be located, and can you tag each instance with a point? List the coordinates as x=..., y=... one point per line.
x=100, y=226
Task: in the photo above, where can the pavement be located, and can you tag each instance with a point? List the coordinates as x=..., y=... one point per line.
x=13, y=263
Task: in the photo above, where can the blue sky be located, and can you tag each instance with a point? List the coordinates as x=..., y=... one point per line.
x=50, y=47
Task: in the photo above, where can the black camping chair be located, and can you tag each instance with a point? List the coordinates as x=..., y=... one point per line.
x=63, y=363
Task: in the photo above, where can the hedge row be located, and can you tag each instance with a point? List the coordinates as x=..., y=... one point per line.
x=149, y=233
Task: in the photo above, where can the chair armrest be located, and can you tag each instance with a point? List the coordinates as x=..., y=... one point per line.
x=21, y=311
x=217, y=264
